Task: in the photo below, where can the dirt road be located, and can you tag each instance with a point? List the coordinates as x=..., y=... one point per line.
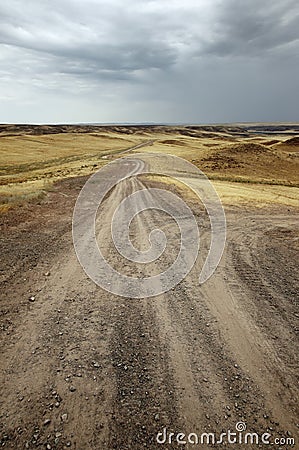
x=82, y=368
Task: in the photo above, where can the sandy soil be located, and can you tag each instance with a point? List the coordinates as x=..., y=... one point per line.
x=84, y=369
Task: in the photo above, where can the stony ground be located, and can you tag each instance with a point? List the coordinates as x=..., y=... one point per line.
x=84, y=369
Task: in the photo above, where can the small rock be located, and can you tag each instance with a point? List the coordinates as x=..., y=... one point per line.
x=47, y=422
x=32, y=298
x=68, y=444
x=72, y=388
x=64, y=417
x=47, y=274
x=48, y=447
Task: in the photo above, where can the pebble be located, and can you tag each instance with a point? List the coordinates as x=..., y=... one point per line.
x=47, y=422
x=72, y=388
x=64, y=417
x=32, y=298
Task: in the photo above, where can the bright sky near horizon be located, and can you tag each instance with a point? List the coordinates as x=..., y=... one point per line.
x=195, y=61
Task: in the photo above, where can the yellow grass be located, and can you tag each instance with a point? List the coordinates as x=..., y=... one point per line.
x=30, y=164
x=261, y=169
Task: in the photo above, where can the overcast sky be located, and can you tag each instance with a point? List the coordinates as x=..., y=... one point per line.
x=195, y=61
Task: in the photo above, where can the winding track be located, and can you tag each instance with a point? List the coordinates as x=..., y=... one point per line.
x=110, y=372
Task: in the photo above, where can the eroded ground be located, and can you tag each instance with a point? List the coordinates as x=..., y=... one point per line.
x=82, y=368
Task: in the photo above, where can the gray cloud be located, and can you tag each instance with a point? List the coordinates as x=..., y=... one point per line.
x=148, y=60
x=106, y=38
x=254, y=28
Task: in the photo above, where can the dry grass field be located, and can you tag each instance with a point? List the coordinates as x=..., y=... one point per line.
x=30, y=164
x=33, y=158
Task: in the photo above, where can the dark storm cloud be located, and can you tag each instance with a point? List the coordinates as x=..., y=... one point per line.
x=253, y=28
x=141, y=35
x=91, y=35
x=135, y=60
